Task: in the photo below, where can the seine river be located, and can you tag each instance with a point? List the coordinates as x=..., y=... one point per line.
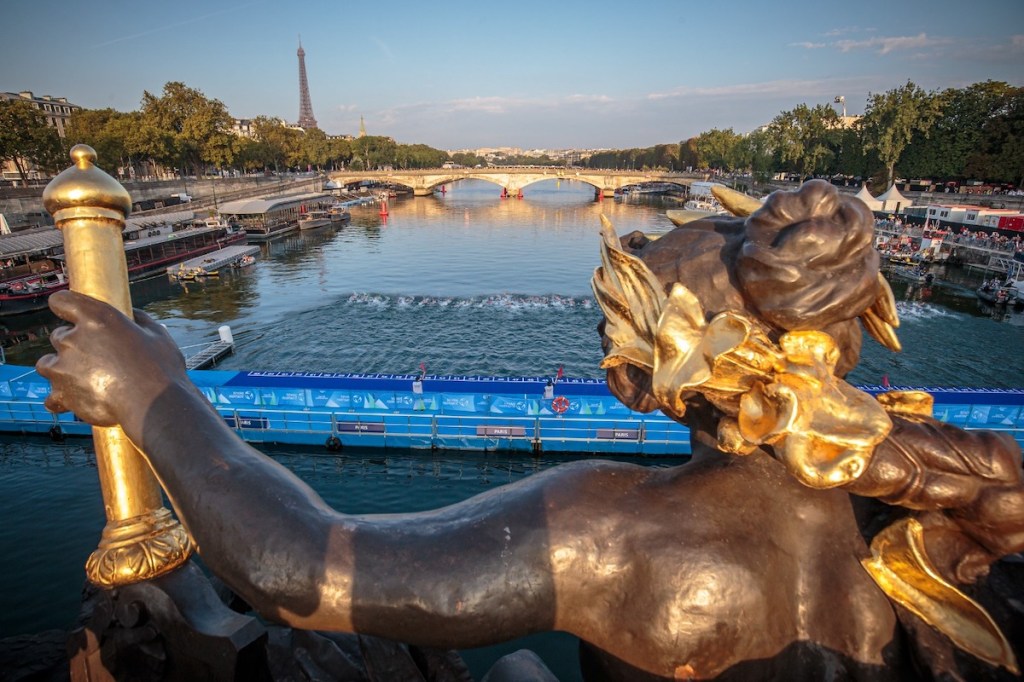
x=464, y=283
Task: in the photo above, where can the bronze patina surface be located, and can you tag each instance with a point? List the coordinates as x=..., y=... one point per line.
x=748, y=562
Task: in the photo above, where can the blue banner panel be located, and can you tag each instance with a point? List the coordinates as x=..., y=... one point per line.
x=405, y=401
x=953, y=414
x=365, y=401
x=291, y=397
x=426, y=403
x=323, y=398
x=996, y=415
x=237, y=396
x=30, y=389
x=598, y=407
x=513, y=405
x=462, y=402
x=979, y=415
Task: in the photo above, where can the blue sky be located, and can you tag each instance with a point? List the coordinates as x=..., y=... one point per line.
x=465, y=74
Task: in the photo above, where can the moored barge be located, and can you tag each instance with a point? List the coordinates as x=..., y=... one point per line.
x=529, y=414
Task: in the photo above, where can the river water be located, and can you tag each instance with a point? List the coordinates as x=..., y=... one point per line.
x=464, y=283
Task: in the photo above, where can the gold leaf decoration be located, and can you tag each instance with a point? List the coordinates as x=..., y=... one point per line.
x=900, y=566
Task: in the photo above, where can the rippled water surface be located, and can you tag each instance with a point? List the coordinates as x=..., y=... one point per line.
x=466, y=283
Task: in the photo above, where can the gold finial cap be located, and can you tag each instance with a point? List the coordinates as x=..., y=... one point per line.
x=85, y=191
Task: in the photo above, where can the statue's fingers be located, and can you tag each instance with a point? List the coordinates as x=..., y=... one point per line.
x=59, y=337
x=68, y=305
x=45, y=365
x=144, y=320
x=79, y=309
x=54, y=403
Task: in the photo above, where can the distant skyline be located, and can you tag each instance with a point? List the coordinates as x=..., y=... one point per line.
x=469, y=74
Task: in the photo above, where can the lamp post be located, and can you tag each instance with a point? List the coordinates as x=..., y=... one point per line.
x=841, y=100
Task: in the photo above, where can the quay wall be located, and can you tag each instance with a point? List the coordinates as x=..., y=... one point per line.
x=24, y=205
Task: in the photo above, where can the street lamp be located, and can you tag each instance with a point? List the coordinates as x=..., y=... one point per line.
x=841, y=100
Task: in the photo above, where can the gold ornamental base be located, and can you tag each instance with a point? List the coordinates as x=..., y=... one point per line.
x=137, y=549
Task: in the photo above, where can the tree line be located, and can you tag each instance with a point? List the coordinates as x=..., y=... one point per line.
x=958, y=134
x=955, y=134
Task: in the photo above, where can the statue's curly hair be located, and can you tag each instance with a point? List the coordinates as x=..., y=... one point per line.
x=804, y=261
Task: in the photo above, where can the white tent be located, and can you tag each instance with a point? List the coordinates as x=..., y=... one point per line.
x=865, y=196
x=892, y=200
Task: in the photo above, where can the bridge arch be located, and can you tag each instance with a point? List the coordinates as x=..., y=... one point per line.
x=513, y=180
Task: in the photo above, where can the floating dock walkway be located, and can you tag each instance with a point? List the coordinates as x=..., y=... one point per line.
x=215, y=260
x=212, y=352
x=335, y=410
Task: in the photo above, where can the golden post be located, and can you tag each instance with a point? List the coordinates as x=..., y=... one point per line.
x=141, y=539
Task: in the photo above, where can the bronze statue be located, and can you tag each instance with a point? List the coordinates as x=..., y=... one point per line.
x=815, y=533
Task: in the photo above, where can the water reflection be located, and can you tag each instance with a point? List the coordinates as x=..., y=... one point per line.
x=476, y=284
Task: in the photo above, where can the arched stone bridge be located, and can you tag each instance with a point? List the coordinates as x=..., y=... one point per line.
x=513, y=180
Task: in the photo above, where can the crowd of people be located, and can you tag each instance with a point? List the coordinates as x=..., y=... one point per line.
x=978, y=239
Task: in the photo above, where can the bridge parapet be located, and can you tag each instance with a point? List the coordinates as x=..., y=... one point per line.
x=512, y=180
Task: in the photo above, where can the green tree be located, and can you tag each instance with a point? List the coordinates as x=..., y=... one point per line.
x=850, y=157
x=717, y=149
x=316, y=148
x=805, y=137
x=117, y=137
x=26, y=138
x=754, y=151
x=688, y=154
x=1000, y=152
x=374, y=151
x=956, y=135
x=468, y=159
x=420, y=156
x=891, y=119
x=187, y=129
x=340, y=152
x=281, y=145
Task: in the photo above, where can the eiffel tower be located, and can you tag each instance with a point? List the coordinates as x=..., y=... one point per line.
x=306, y=119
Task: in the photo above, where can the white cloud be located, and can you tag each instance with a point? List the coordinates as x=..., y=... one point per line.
x=880, y=44
x=841, y=31
x=783, y=88
x=885, y=45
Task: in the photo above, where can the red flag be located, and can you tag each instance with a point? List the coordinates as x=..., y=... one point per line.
x=423, y=369
x=560, y=373
x=885, y=380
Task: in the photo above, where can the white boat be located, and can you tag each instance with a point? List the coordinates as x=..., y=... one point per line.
x=706, y=204
x=338, y=213
x=311, y=220
x=702, y=199
x=916, y=274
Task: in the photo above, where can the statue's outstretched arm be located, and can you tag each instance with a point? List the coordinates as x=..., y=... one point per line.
x=973, y=477
x=470, y=574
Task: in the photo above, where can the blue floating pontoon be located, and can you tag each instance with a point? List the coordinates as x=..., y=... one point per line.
x=450, y=412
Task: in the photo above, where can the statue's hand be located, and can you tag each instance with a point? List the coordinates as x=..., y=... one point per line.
x=107, y=367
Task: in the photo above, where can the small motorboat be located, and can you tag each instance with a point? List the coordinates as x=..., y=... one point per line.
x=312, y=220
